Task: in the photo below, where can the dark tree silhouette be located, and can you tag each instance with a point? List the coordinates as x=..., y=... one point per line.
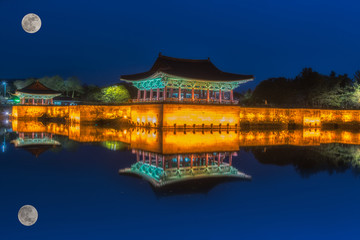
x=308, y=89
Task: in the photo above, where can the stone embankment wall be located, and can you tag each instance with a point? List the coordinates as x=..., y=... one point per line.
x=193, y=115
x=34, y=112
x=302, y=117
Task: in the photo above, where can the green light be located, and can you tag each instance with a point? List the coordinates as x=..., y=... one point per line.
x=114, y=145
x=15, y=99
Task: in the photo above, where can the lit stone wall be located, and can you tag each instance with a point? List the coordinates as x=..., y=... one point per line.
x=74, y=114
x=88, y=113
x=207, y=115
x=57, y=111
x=191, y=115
x=32, y=112
x=280, y=116
x=147, y=115
x=302, y=117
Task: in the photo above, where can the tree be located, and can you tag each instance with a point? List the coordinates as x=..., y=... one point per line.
x=114, y=94
x=245, y=96
x=355, y=98
x=19, y=84
x=308, y=89
x=357, y=77
x=73, y=84
x=56, y=83
x=91, y=93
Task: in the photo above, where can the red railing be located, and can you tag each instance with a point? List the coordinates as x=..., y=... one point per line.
x=184, y=100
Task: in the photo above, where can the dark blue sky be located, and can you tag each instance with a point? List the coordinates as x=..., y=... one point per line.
x=100, y=40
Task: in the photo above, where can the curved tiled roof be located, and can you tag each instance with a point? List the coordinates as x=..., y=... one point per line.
x=187, y=68
x=37, y=88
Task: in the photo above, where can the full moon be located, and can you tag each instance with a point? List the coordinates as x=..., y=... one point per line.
x=31, y=23
x=28, y=215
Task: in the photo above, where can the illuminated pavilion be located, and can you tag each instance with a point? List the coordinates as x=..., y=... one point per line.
x=36, y=94
x=185, y=80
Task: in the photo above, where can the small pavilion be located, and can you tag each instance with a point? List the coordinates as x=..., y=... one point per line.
x=36, y=94
x=185, y=80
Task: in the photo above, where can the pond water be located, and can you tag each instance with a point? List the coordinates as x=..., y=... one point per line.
x=90, y=182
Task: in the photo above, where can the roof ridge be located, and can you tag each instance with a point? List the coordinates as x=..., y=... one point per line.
x=184, y=59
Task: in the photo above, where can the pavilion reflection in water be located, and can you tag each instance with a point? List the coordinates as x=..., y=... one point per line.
x=35, y=142
x=164, y=171
x=165, y=159
x=169, y=158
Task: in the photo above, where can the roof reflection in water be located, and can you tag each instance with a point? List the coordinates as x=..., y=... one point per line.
x=35, y=142
x=175, y=173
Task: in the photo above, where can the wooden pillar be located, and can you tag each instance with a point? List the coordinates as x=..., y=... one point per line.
x=192, y=94
x=219, y=159
x=207, y=95
x=144, y=97
x=139, y=94
x=230, y=159
x=165, y=93
x=157, y=159
x=137, y=156
x=150, y=159
x=207, y=159
x=220, y=96
x=231, y=96
x=158, y=94
x=144, y=157
x=151, y=94
x=179, y=93
x=191, y=160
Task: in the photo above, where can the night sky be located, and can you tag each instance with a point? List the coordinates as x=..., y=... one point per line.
x=100, y=40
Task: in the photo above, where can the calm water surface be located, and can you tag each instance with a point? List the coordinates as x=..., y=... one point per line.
x=98, y=183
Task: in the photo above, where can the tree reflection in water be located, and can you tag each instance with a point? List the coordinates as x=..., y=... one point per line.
x=332, y=158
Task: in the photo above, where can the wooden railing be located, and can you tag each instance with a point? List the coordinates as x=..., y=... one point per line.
x=184, y=100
